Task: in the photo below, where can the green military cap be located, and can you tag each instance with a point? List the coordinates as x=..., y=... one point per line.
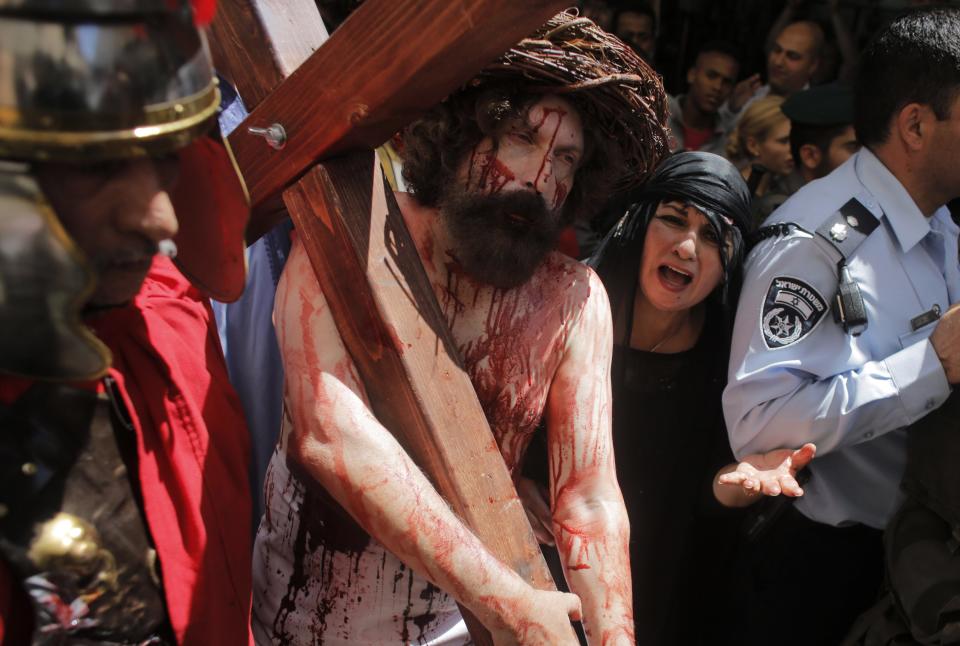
x=822, y=105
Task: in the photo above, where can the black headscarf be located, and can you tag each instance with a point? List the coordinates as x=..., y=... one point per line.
x=707, y=181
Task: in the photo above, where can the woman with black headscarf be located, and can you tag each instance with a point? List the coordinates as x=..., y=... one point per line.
x=682, y=241
x=672, y=269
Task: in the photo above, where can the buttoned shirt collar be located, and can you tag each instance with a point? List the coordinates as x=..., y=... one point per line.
x=909, y=225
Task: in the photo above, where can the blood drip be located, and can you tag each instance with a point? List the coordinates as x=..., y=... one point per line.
x=553, y=138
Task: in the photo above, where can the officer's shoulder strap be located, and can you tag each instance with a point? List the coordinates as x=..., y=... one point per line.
x=844, y=230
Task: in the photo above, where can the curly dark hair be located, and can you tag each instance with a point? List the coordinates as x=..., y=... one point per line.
x=435, y=145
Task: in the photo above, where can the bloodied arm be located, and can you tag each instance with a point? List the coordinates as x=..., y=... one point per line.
x=590, y=522
x=336, y=441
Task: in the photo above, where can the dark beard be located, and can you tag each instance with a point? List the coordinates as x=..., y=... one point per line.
x=500, y=238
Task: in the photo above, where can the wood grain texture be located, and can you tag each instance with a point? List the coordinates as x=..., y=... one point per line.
x=256, y=45
x=388, y=63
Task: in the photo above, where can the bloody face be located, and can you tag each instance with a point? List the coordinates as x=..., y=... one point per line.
x=504, y=209
x=117, y=213
x=681, y=264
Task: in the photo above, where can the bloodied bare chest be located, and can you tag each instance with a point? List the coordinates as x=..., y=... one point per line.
x=511, y=342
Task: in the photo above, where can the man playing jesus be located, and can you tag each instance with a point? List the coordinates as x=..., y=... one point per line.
x=373, y=554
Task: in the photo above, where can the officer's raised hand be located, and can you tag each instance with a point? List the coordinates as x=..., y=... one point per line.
x=946, y=343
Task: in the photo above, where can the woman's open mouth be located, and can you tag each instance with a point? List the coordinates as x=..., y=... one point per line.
x=674, y=279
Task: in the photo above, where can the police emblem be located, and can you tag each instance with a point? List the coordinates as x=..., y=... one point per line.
x=791, y=310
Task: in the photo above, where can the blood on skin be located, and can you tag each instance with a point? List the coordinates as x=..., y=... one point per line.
x=512, y=351
x=422, y=522
x=543, y=118
x=528, y=631
x=619, y=636
x=589, y=544
x=449, y=301
x=424, y=245
x=576, y=541
x=559, y=195
x=324, y=399
x=493, y=174
x=553, y=138
x=512, y=342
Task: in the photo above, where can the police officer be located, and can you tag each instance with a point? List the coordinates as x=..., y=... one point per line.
x=821, y=129
x=845, y=334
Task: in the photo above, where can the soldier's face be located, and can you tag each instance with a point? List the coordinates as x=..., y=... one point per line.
x=117, y=213
x=681, y=257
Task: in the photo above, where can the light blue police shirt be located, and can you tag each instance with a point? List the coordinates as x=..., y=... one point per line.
x=796, y=376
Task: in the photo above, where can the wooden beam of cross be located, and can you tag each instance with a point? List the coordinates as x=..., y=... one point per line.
x=391, y=61
x=387, y=64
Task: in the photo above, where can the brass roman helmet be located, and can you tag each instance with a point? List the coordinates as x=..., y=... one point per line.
x=90, y=81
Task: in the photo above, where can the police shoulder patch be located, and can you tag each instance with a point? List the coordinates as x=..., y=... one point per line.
x=791, y=311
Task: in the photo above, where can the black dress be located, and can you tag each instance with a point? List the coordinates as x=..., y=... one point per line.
x=670, y=440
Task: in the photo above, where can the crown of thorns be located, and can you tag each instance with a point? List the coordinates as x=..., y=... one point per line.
x=620, y=93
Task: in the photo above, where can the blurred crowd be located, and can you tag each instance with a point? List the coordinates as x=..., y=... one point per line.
x=766, y=85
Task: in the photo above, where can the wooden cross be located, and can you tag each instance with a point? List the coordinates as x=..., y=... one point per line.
x=387, y=64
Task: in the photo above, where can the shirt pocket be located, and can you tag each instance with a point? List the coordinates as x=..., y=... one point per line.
x=909, y=338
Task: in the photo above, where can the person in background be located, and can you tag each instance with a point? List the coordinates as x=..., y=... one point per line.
x=636, y=25
x=695, y=122
x=821, y=129
x=599, y=11
x=838, y=56
x=848, y=334
x=760, y=144
x=792, y=59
